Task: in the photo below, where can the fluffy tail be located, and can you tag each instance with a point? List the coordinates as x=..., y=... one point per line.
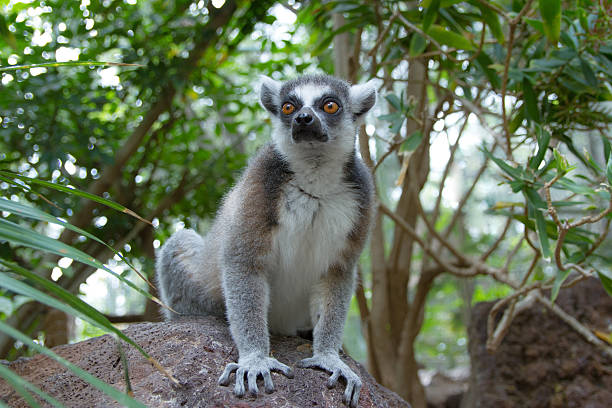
x=187, y=276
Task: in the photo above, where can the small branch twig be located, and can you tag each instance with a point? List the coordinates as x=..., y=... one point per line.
x=498, y=241
x=494, y=339
x=435, y=234
x=447, y=168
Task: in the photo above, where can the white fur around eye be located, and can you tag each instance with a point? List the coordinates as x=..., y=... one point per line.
x=308, y=94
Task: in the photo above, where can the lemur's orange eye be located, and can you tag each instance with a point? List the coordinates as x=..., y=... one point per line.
x=288, y=108
x=331, y=107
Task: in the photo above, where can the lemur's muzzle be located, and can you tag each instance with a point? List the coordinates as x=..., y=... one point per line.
x=306, y=127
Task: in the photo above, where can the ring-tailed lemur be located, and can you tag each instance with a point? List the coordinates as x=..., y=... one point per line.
x=281, y=254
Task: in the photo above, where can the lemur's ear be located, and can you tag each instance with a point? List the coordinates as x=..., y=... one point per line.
x=363, y=97
x=268, y=94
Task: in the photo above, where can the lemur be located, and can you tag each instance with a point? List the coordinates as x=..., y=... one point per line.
x=281, y=254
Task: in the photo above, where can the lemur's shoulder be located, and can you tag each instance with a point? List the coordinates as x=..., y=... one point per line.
x=269, y=165
x=359, y=178
x=260, y=187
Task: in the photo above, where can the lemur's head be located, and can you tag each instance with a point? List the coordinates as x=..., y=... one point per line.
x=316, y=114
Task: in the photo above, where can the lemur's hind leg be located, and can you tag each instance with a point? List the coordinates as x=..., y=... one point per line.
x=187, y=278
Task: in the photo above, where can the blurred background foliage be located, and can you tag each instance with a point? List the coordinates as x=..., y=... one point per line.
x=513, y=94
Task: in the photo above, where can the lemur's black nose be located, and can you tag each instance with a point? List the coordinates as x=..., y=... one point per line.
x=307, y=127
x=304, y=119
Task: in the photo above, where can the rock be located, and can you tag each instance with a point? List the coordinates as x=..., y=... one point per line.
x=542, y=362
x=195, y=351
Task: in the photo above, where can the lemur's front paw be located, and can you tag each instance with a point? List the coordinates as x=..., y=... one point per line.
x=332, y=363
x=253, y=366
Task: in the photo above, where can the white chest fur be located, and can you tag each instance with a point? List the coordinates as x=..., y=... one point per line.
x=316, y=216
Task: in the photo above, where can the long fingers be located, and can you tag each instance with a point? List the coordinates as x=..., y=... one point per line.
x=239, y=386
x=282, y=368
x=356, y=392
x=252, y=379
x=252, y=373
x=351, y=393
x=225, y=377
x=331, y=382
x=268, y=384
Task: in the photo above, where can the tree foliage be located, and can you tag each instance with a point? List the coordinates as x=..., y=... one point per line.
x=490, y=146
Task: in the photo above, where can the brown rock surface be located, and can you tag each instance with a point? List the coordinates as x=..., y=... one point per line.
x=543, y=362
x=195, y=351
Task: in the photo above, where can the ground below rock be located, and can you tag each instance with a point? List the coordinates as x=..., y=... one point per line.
x=195, y=351
x=543, y=362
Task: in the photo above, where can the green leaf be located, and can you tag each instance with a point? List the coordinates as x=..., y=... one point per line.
x=391, y=117
x=531, y=101
x=546, y=64
x=431, y=12
x=492, y=20
x=543, y=138
x=24, y=236
x=536, y=24
x=484, y=62
x=109, y=390
x=517, y=120
x=450, y=38
x=515, y=173
x=443, y=3
x=396, y=125
x=72, y=304
x=6, y=34
x=534, y=198
x=606, y=281
x=609, y=169
x=569, y=184
x=417, y=44
x=588, y=73
x=569, y=40
x=550, y=11
x=542, y=235
x=34, y=213
x=394, y=101
x=559, y=279
x=536, y=207
x=68, y=64
x=606, y=147
x=74, y=191
x=560, y=162
x=578, y=236
x=412, y=142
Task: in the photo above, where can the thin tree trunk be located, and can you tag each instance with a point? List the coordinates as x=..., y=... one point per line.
x=56, y=326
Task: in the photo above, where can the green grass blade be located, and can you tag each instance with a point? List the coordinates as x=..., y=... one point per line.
x=16, y=381
x=34, y=213
x=68, y=64
x=76, y=192
x=99, y=384
x=28, y=189
x=26, y=237
x=73, y=305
